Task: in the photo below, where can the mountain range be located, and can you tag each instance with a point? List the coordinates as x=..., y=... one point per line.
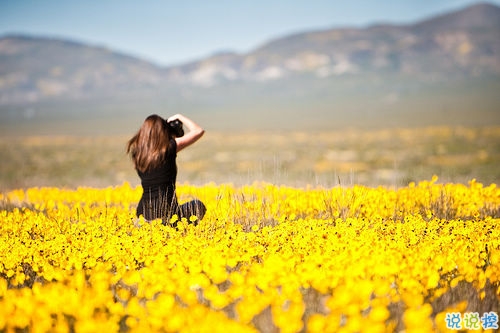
x=312, y=71
x=466, y=42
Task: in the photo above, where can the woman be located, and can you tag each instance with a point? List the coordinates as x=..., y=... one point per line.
x=154, y=150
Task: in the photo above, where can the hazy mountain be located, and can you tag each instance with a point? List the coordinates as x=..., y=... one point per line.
x=34, y=68
x=465, y=42
x=315, y=68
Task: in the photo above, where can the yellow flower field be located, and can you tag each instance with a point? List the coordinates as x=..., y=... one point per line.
x=265, y=258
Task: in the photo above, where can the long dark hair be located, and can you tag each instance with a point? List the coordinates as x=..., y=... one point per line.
x=149, y=145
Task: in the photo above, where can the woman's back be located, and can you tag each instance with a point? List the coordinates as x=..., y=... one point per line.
x=158, y=197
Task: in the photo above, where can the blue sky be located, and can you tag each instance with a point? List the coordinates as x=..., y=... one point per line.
x=171, y=32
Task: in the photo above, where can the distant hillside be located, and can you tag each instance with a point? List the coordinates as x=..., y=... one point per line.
x=35, y=68
x=343, y=76
x=462, y=43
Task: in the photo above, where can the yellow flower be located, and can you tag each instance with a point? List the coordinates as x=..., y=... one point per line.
x=78, y=259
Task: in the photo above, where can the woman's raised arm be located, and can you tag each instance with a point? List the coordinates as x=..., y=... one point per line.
x=195, y=131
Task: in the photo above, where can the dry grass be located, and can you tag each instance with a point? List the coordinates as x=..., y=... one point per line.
x=389, y=157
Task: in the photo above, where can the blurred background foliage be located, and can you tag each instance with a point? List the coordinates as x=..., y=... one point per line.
x=390, y=157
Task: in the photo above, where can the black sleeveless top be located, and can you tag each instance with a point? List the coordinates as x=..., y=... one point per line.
x=158, y=197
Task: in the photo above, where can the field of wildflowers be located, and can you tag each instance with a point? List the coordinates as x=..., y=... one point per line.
x=265, y=258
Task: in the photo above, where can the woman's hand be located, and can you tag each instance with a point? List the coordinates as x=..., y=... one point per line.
x=174, y=117
x=194, y=131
